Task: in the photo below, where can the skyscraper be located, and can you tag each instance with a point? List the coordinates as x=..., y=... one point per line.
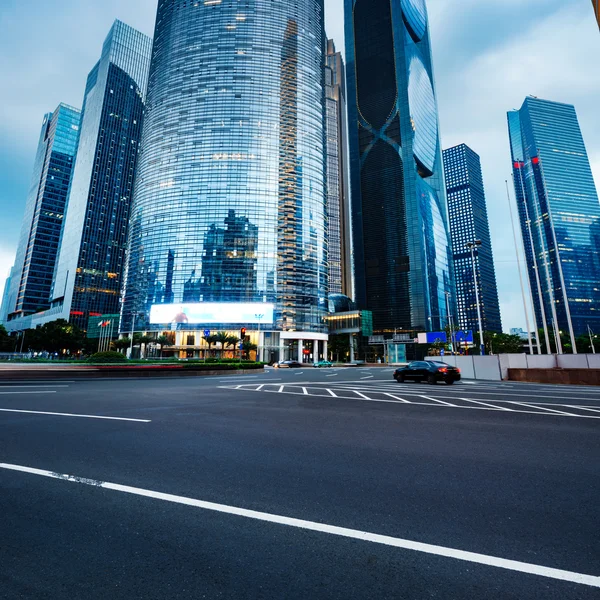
x=338, y=185
x=92, y=252
x=234, y=135
x=559, y=214
x=399, y=216
x=31, y=279
x=4, y=302
x=468, y=218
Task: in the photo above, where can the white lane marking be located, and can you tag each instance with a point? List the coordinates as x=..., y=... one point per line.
x=361, y=394
x=531, y=405
x=396, y=398
x=32, y=392
x=281, y=387
x=368, y=377
x=364, y=536
x=242, y=377
x=260, y=387
x=332, y=394
x=301, y=373
x=594, y=410
x=334, y=375
x=305, y=392
x=6, y=387
x=56, y=414
x=484, y=404
x=436, y=400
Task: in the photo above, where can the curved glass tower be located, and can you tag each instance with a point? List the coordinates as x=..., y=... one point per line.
x=401, y=237
x=229, y=203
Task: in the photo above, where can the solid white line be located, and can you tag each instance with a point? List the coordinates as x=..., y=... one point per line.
x=260, y=387
x=595, y=410
x=435, y=400
x=485, y=404
x=396, y=397
x=360, y=394
x=56, y=414
x=305, y=392
x=365, y=536
x=531, y=405
x=32, y=392
x=332, y=394
x=334, y=375
x=5, y=387
x=368, y=377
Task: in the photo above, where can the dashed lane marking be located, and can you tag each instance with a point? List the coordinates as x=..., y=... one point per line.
x=30, y=392
x=356, y=534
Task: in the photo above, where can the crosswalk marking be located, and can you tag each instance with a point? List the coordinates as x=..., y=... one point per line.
x=345, y=392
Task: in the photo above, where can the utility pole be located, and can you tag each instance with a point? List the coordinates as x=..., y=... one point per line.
x=472, y=245
x=591, y=339
x=512, y=222
x=450, y=322
x=133, y=316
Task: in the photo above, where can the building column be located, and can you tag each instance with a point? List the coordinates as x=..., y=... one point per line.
x=300, y=351
x=316, y=355
x=325, y=350
x=351, y=338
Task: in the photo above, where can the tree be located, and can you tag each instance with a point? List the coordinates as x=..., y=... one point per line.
x=225, y=340
x=6, y=343
x=503, y=343
x=339, y=345
x=248, y=347
x=55, y=337
x=210, y=340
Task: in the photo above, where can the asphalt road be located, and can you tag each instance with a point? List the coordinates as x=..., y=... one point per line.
x=298, y=484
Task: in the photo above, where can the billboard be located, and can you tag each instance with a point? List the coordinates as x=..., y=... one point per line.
x=435, y=337
x=208, y=313
x=463, y=337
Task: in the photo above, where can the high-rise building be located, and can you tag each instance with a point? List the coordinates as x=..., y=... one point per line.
x=35, y=261
x=229, y=206
x=5, y=293
x=399, y=216
x=468, y=218
x=559, y=215
x=92, y=251
x=596, y=4
x=338, y=184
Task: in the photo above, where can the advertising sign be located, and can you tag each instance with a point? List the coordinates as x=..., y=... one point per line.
x=435, y=337
x=462, y=337
x=207, y=313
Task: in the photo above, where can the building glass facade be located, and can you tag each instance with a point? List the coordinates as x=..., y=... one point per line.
x=468, y=218
x=5, y=295
x=338, y=184
x=37, y=251
x=559, y=214
x=399, y=216
x=92, y=254
x=230, y=201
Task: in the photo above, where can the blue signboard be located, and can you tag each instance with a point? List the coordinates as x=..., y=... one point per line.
x=463, y=337
x=206, y=332
x=437, y=337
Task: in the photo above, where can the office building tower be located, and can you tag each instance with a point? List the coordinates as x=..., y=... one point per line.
x=559, y=214
x=399, y=216
x=468, y=218
x=37, y=251
x=5, y=293
x=229, y=208
x=92, y=252
x=338, y=184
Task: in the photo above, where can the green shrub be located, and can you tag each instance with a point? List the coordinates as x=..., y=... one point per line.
x=107, y=357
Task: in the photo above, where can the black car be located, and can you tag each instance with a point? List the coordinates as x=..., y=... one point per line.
x=288, y=364
x=429, y=371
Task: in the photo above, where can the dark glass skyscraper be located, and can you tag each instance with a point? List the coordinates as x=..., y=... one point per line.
x=399, y=216
x=92, y=251
x=229, y=203
x=338, y=185
x=468, y=217
x=559, y=214
x=35, y=261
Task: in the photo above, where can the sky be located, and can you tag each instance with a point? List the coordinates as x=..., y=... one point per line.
x=488, y=56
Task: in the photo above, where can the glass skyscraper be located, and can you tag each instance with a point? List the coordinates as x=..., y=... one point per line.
x=230, y=204
x=399, y=215
x=559, y=214
x=338, y=184
x=35, y=261
x=92, y=251
x=468, y=217
x=5, y=293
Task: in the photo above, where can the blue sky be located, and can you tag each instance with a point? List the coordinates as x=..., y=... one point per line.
x=488, y=56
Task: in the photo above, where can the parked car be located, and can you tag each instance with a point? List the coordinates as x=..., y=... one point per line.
x=322, y=363
x=429, y=371
x=288, y=364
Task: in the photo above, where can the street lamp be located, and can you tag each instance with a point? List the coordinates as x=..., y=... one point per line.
x=133, y=316
x=471, y=246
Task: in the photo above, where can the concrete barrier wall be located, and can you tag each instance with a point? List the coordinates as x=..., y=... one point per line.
x=540, y=361
x=560, y=376
x=487, y=367
x=572, y=361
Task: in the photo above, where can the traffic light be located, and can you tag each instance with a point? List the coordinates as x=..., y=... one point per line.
x=242, y=333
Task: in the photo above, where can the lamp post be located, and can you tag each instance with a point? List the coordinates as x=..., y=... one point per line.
x=133, y=316
x=471, y=246
x=591, y=339
x=450, y=322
